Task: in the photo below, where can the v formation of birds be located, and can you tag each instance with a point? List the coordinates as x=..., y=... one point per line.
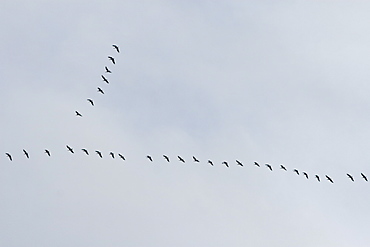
x=165, y=157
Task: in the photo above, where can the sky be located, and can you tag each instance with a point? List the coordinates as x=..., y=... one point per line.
x=277, y=82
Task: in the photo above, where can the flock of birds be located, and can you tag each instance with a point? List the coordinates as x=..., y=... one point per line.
x=180, y=159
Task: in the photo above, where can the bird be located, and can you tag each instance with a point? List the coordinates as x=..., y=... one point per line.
x=364, y=177
x=317, y=177
x=195, y=159
x=305, y=174
x=70, y=149
x=121, y=156
x=99, y=153
x=239, y=163
x=166, y=157
x=47, y=152
x=9, y=156
x=225, y=163
x=100, y=90
x=107, y=70
x=105, y=79
x=256, y=164
x=25, y=153
x=112, y=59
x=350, y=177
x=86, y=152
x=282, y=167
x=111, y=154
x=181, y=159
x=210, y=162
x=78, y=114
x=116, y=47
x=269, y=166
x=296, y=171
x=150, y=158
x=91, y=101
x=328, y=178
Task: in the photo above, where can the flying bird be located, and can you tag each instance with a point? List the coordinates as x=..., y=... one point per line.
x=256, y=164
x=364, y=177
x=317, y=177
x=112, y=59
x=116, y=47
x=150, y=158
x=105, y=79
x=239, y=163
x=166, y=157
x=78, y=114
x=181, y=159
x=210, y=162
x=86, y=152
x=111, y=154
x=225, y=163
x=9, y=156
x=282, y=167
x=91, y=101
x=350, y=177
x=47, y=152
x=25, y=153
x=328, y=178
x=305, y=174
x=195, y=159
x=70, y=149
x=269, y=166
x=121, y=156
x=107, y=70
x=296, y=171
x=100, y=90
x=99, y=153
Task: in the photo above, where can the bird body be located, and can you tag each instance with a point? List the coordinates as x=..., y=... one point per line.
x=166, y=157
x=256, y=164
x=111, y=154
x=296, y=171
x=100, y=90
x=116, y=47
x=78, y=114
x=47, y=152
x=181, y=159
x=305, y=174
x=112, y=59
x=239, y=163
x=282, y=167
x=364, y=177
x=9, y=156
x=25, y=153
x=317, y=177
x=210, y=162
x=195, y=159
x=121, y=156
x=150, y=158
x=105, y=79
x=86, y=152
x=107, y=70
x=91, y=101
x=99, y=153
x=350, y=177
x=328, y=178
x=269, y=166
x=225, y=163
x=70, y=149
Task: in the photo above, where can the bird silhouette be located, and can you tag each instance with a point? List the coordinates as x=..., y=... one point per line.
x=317, y=177
x=47, y=152
x=181, y=159
x=9, y=156
x=112, y=59
x=25, y=153
x=225, y=163
x=149, y=157
x=78, y=114
x=91, y=101
x=111, y=154
x=296, y=171
x=350, y=177
x=210, y=162
x=282, y=167
x=269, y=166
x=70, y=149
x=256, y=164
x=107, y=70
x=100, y=90
x=166, y=157
x=116, y=47
x=99, y=153
x=195, y=159
x=105, y=79
x=121, y=156
x=305, y=174
x=364, y=177
x=86, y=152
x=239, y=163
x=328, y=178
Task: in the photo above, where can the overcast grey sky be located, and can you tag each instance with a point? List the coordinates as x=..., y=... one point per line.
x=278, y=82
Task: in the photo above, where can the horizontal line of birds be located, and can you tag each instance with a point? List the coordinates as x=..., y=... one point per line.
x=107, y=70
x=180, y=159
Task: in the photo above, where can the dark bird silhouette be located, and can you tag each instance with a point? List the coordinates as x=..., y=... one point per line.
x=166, y=157
x=91, y=101
x=100, y=90
x=70, y=149
x=111, y=154
x=364, y=177
x=328, y=178
x=47, y=152
x=150, y=158
x=296, y=171
x=25, y=153
x=269, y=166
x=107, y=70
x=317, y=177
x=239, y=163
x=116, y=47
x=99, y=153
x=256, y=164
x=305, y=174
x=105, y=79
x=350, y=177
x=195, y=159
x=210, y=162
x=225, y=163
x=9, y=156
x=121, y=156
x=86, y=152
x=112, y=59
x=181, y=159
x=78, y=114
x=282, y=167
